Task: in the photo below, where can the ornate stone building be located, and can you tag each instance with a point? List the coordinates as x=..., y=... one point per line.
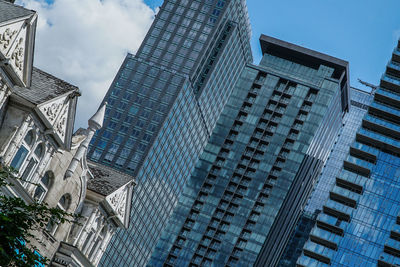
x=37, y=114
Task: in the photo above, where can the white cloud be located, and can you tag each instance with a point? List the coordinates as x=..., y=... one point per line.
x=85, y=42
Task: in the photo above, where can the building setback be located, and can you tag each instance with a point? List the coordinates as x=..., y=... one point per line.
x=359, y=222
x=162, y=106
x=257, y=170
x=359, y=102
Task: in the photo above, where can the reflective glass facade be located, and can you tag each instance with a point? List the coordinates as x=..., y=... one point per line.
x=258, y=165
x=359, y=104
x=162, y=106
x=359, y=222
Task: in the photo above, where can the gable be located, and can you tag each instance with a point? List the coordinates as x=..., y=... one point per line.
x=16, y=49
x=55, y=116
x=119, y=202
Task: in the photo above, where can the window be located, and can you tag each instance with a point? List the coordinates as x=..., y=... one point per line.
x=63, y=204
x=23, y=151
x=19, y=157
x=96, y=246
x=24, y=160
x=33, y=162
x=43, y=186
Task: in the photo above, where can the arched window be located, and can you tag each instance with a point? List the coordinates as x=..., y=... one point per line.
x=29, y=138
x=63, y=204
x=39, y=150
x=33, y=162
x=43, y=186
x=23, y=151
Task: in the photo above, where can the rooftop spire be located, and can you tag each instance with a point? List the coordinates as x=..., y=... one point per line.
x=96, y=121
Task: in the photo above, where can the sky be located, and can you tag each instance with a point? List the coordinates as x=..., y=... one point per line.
x=85, y=41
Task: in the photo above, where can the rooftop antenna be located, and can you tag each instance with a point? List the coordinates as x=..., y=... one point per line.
x=373, y=87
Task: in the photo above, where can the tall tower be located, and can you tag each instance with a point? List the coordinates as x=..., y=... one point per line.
x=257, y=170
x=162, y=106
x=359, y=222
x=359, y=103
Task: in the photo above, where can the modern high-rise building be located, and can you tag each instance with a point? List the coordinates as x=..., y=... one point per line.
x=163, y=105
x=359, y=223
x=359, y=102
x=256, y=172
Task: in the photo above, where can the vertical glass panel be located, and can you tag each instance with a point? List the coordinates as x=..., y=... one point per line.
x=19, y=158
x=28, y=170
x=39, y=150
x=29, y=138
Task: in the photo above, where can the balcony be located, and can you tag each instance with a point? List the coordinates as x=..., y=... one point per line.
x=379, y=140
x=387, y=260
x=393, y=68
x=387, y=111
x=372, y=151
x=395, y=233
x=390, y=82
x=305, y=261
x=392, y=247
x=396, y=55
x=338, y=210
x=306, y=108
x=330, y=223
x=325, y=238
x=318, y=252
x=350, y=184
x=358, y=166
x=297, y=126
x=275, y=98
x=344, y=196
x=388, y=97
x=284, y=101
x=382, y=126
x=362, y=151
x=292, y=136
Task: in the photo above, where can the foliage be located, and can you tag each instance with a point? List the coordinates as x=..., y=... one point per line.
x=17, y=222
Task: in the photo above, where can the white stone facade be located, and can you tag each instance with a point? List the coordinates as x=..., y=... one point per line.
x=37, y=114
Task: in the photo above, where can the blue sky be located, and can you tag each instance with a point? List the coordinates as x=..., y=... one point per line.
x=363, y=32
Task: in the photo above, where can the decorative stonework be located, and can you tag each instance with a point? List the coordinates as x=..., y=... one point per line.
x=12, y=46
x=52, y=111
x=55, y=113
x=117, y=201
x=17, y=55
x=61, y=124
x=6, y=38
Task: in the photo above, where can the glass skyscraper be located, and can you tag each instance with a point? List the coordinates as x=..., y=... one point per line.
x=359, y=103
x=359, y=223
x=163, y=105
x=256, y=171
